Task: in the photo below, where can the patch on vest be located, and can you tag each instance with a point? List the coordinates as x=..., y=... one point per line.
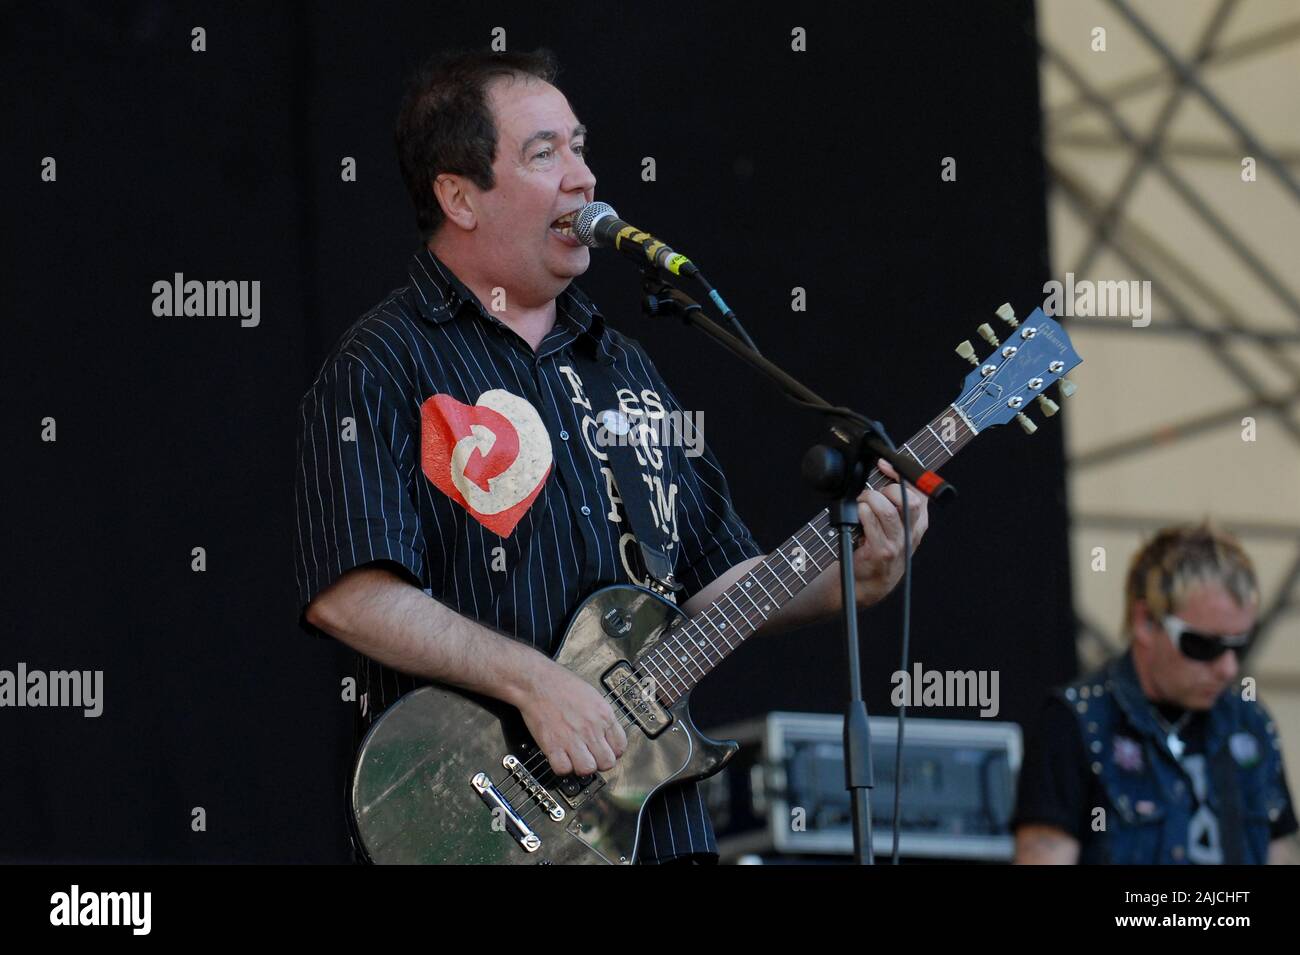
x=1128, y=754
x=1244, y=748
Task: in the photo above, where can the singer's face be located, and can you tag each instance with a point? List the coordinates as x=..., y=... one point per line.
x=540, y=176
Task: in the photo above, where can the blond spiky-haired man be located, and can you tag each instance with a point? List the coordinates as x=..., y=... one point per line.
x=1162, y=756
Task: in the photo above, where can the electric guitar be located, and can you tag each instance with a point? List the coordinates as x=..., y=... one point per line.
x=447, y=776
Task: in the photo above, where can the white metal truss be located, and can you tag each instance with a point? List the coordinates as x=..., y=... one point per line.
x=1149, y=142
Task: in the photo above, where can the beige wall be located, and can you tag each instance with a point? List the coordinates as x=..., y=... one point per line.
x=1136, y=380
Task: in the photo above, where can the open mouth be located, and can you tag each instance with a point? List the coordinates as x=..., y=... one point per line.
x=564, y=224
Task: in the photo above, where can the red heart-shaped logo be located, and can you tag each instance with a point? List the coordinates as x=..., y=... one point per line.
x=491, y=458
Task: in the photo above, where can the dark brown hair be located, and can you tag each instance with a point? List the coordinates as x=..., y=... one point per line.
x=445, y=123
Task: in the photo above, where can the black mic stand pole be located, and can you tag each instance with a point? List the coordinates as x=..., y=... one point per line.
x=838, y=467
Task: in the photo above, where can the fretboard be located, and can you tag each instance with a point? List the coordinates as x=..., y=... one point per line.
x=689, y=652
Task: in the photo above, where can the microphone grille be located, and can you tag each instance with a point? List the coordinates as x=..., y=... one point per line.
x=585, y=228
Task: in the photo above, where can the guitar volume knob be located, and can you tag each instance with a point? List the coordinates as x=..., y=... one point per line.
x=616, y=623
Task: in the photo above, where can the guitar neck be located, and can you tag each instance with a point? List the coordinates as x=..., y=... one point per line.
x=688, y=653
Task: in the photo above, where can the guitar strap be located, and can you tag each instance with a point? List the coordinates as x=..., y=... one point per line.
x=614, y=436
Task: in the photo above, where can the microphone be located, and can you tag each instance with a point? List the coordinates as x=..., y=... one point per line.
x=598, y=225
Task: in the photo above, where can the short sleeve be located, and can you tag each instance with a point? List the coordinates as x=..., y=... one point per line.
x=352, y=488
x=713, y=537
x=1051, y=786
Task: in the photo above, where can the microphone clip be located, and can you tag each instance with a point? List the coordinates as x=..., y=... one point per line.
x=661, y=300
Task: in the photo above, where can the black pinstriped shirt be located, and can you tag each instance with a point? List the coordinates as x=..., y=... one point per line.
x=437, y=442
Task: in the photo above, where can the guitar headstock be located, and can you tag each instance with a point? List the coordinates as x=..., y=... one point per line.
x=1035, y=354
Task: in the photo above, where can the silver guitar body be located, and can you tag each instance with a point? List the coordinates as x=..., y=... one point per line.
x=446, y=776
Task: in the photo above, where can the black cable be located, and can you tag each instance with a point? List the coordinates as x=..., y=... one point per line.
x=876, y=429
x=907, y=639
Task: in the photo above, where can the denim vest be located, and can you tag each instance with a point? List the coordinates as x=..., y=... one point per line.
x=1151, y=795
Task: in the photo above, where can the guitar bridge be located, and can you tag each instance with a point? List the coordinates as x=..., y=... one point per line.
x=533, y=788
x=501, y=808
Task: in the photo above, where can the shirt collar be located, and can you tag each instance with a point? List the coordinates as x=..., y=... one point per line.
x=442, y=296
x=1128, y=692
x=1140, y=711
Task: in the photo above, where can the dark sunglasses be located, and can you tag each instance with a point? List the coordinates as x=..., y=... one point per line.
x=1203, y=646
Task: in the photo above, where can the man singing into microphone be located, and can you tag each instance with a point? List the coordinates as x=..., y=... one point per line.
x=452, y=508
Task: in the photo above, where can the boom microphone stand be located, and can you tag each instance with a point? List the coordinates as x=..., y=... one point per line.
x=838, y=467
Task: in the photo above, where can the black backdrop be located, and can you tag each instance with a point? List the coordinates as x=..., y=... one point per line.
x=775, y=169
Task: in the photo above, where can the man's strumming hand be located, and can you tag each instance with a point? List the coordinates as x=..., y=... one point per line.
x=571, y=722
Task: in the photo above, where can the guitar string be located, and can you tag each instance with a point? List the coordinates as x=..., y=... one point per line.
x=530, y=815
x=689, y=680
x=516, y=787
x=919, y=452
x=922, y=450
x=626, y=720
x=771, y=567
x=675, y=674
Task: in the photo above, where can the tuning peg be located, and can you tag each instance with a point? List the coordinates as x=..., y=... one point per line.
x=1049, y=406
x=1007, y=314
x=1027, y=423
x=967, y=350
x=1067, y=387
x=986, y=333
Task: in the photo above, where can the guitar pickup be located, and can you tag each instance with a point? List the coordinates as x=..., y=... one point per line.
x=637, y=698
